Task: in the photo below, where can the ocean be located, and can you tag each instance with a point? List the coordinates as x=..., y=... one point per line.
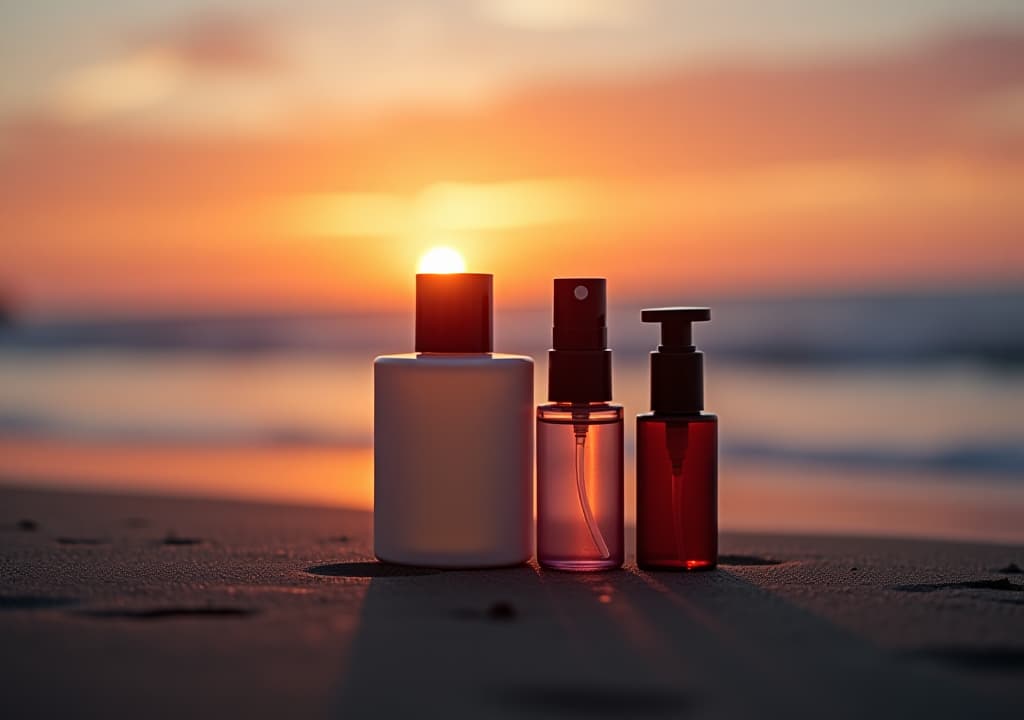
x=882, y=413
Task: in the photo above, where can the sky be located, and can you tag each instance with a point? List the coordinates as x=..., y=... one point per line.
x=301, y=156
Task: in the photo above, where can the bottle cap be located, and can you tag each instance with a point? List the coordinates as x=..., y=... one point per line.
x=454, y=312
x=579, y=362
x=677, y=367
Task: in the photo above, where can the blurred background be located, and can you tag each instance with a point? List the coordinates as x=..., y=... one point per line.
x=211, y=215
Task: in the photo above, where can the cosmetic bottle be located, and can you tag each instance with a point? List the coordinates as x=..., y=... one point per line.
x=579, y=438
x=453, y=440
x=677, y=453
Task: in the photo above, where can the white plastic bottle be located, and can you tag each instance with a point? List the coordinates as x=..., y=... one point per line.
x=453, y=437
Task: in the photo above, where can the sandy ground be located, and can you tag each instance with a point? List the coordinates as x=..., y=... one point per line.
x=133, y=606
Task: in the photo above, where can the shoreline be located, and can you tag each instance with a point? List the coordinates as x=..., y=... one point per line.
x=159, y=495
x=752, y=499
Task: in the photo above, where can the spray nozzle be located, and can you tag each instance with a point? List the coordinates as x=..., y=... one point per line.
x=579, y=362
x=579, y=314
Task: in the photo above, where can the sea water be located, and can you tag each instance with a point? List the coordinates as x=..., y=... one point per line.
x=900, y=414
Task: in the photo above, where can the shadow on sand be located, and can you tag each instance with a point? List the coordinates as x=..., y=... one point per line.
x=617, y=644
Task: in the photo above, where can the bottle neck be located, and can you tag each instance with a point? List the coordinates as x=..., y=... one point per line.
x=677, y=383
x=580, y=376
x=438, y=353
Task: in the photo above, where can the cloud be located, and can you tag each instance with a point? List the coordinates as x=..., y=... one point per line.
x=221, y=42
x=196, y=62
x=935, y=99
x=563, y=14
x=881, y=166
x=915, y=101
x=114, y=87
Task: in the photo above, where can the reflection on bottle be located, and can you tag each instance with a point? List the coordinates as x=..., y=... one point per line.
x=676, y=438
x=580, y=430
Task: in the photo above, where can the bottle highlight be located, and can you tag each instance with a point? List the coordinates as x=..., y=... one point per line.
x=453, y=440
x=580, y=438
x=677, y=453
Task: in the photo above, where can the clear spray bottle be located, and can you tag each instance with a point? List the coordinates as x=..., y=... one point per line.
x=580, y=438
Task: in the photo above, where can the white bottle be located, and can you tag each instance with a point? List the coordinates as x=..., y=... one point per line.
x=453, y=437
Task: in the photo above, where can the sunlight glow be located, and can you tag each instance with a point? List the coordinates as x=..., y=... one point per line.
x=442, y=260
x=439, y=208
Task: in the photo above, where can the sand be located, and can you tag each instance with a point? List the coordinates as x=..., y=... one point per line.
x=133, y=606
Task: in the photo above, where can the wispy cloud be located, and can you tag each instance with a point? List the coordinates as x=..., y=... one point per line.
x=222, y=42
x=203, y=61
x=128, y=83
x=565, y=14
x=249, y=66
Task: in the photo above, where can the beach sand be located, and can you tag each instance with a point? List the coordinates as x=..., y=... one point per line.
x=117, y=606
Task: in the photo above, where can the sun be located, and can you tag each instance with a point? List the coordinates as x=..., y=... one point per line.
x=442, y=260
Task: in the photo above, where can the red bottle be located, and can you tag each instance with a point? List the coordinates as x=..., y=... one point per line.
x=677, y=453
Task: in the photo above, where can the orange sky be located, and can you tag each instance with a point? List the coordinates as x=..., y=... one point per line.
x=893, y=166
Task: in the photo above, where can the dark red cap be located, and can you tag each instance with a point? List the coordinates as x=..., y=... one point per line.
x=579, y=363
x=453, y=312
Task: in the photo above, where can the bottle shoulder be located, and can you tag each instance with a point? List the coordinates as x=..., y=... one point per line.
x=702, y=417
x=604, y=412
x=452, y=359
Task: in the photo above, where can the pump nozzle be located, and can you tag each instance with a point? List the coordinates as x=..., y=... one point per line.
x=676, y=328
x=677, y=367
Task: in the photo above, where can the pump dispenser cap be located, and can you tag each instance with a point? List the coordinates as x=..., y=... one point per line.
x=454, y=312
x=579, y=362
x=677, y=367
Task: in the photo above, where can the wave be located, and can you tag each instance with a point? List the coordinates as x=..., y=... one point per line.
x=38, y=427
x=993, y=460
x=985, y=329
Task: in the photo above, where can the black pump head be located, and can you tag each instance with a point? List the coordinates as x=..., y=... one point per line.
x=676, y=328
x=677, y=367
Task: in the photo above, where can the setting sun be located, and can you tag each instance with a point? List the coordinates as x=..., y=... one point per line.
x=442, y=260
